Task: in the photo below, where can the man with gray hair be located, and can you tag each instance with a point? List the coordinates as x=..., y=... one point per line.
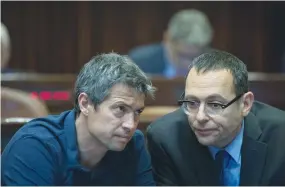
x=96, y=143
x=189, y=34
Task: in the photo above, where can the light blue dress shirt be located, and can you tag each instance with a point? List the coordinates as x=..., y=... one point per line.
x=232, y=165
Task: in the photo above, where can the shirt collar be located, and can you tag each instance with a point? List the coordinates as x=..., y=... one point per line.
x=233, y=148
x=71, y=137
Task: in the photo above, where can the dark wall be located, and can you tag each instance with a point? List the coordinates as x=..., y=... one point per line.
x=58, y=37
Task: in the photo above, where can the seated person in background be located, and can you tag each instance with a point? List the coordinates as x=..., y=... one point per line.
x=14, y=102
x=96, y=143
x=220, y=135
x=189, y=34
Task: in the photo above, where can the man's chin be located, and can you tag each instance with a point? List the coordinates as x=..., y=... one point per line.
x=206, y=141
x=117, y=147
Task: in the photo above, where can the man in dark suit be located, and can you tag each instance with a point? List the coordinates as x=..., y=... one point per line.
x=189, y=34
x=220, y=135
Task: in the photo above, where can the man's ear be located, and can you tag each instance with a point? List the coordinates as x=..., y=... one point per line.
x=83, y=103
x=248, y=99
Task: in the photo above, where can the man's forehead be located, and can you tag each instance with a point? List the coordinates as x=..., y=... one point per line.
x=219, y=80
x=212, y=76
x=127, y=94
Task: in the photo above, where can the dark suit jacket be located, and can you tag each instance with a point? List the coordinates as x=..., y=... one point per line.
x=178, y=158
x=150, y=58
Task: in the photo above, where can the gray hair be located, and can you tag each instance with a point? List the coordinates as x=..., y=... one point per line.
x=219, y=60
x=191, y=26
x=103, y=71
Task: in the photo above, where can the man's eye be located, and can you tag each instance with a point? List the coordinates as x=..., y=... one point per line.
x=215, y=105
x=138, y=112
x=120, y=111
x=122, y=108
x=192, y=104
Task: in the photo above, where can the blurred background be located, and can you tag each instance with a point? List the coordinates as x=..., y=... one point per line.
x=45, y=44
x=59, y=37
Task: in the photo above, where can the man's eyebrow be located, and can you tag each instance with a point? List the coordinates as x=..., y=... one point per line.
x=213, y=96
x=121, y=103
x=217, y=96
x=187, y=97
x=129, y=106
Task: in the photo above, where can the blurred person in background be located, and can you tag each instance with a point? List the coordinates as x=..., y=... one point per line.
x=188, y=35
x=15, y=102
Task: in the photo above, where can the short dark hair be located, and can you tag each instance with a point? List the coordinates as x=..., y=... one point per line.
x=219, y=60
x=103, y=71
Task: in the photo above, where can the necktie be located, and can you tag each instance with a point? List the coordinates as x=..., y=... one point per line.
x=219, y=159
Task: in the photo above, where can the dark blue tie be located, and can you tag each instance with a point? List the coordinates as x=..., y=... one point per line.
x=219, y=159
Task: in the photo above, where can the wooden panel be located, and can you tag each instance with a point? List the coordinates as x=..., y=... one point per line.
x=59, y=37
x=268, y=88
x=59, y=88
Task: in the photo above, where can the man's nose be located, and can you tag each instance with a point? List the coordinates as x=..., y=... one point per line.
x=201, y=114
x=130, y=122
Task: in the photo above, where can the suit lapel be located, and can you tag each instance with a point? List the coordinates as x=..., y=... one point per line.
x=205, y=166
x=253, y=153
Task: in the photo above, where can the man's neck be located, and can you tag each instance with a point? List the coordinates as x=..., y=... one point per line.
x=91, y=150
x=228, y=141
